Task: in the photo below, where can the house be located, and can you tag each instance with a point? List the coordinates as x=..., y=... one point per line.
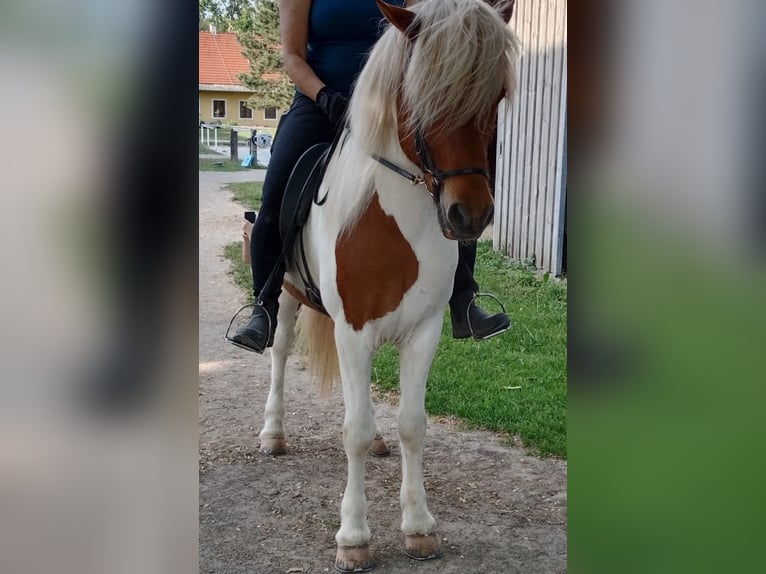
x=222, y=97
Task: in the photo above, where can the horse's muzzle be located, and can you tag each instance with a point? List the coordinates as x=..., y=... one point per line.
x=459, y=223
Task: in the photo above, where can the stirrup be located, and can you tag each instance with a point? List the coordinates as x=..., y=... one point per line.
x=258, y=303
x=468, y=318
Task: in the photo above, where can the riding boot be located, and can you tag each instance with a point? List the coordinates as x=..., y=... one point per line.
x=469, y=320
x=258, y=334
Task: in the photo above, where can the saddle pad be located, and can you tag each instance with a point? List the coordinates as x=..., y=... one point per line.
x=299, y=193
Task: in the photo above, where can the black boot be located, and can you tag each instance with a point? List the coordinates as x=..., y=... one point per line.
x=468, y=320
x=258, y=334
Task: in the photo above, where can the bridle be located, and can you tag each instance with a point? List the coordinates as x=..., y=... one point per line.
x=427, y=165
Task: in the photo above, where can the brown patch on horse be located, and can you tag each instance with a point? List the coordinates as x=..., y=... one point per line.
x=300, y=296
x=375, y=267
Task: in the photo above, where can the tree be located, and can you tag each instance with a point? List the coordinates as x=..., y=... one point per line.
x=258, y=33
x=226, y=15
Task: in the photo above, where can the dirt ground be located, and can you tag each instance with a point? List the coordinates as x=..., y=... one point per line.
x=497, y=508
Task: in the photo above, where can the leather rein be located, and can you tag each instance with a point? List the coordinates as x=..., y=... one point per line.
x=429, y=168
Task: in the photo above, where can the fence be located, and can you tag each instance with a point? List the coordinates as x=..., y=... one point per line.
x=530, y=186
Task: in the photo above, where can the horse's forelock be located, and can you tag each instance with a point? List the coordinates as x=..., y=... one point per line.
x=462, y=61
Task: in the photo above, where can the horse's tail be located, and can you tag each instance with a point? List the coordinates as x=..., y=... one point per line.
x=316, y=336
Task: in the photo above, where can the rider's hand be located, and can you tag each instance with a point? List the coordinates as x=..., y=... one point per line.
x=333, y=104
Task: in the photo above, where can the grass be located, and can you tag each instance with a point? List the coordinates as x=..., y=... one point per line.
x=248, y=193
x=239, y=271
x=515, y=383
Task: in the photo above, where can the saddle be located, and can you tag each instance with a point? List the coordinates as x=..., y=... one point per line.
x=302, y=188
x=301, y=192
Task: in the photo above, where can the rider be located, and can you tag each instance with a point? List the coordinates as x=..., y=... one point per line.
x=324, y=43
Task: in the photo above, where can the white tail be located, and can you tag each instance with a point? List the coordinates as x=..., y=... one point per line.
x=316, y=336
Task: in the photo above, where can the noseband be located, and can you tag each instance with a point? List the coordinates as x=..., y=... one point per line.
x=427, y=165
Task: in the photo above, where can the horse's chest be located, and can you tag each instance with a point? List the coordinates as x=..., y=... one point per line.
x=375, y=267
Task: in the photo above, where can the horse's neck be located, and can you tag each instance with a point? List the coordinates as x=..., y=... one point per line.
x=355, y=184
x=354, y=177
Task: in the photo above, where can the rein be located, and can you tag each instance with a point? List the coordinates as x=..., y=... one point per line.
x=429, y=168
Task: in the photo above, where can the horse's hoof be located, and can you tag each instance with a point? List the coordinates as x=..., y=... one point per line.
x=353, y=559
x=379, y=447
x=273, y=445
x=423, y=546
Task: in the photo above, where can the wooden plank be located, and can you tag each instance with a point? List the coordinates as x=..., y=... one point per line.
x=507, y=140
x=513, y=136
x=540, y=165
x=529, y=187
x=548, y=139
x=559, y=214
x=535, y=104
x=521, y=237
x=517, y=136
x=501, y=170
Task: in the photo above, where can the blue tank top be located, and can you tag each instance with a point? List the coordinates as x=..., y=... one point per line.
x=341, y=33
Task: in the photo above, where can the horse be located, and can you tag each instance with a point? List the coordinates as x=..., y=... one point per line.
x=408, y=179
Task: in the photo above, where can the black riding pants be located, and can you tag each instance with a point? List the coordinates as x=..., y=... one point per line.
x=464, y=280
x=303, y=126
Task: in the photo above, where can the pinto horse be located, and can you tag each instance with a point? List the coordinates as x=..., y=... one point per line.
x=407, y=180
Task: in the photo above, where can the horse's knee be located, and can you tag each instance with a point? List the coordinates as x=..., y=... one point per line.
x=412, y=427
x=358, y=433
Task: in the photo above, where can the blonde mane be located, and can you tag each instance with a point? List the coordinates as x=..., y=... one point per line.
x=462, y=61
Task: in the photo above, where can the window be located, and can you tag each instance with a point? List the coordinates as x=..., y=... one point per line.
x=245, y=113
x=219, y=108
x=270, y=114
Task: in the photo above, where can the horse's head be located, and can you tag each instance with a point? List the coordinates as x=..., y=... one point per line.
x=447, y=106
x=456, y=173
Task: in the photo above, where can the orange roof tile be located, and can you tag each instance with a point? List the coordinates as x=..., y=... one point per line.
x=220, y=59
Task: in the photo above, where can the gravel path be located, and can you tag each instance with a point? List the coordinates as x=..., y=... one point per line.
x=498, y=509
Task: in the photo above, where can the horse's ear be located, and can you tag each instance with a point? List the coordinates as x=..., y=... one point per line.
x=505, y=9
x=401, y=18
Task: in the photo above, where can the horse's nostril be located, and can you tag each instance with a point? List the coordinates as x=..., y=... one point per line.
x=458, y=216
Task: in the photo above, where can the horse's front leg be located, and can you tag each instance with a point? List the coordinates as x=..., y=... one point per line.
x=273, y=432
x=415, y=357
x=358, y=434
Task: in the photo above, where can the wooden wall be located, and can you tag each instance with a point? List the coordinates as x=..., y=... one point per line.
x=530, y=185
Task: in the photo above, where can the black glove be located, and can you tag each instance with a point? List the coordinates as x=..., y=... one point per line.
x=333, y=104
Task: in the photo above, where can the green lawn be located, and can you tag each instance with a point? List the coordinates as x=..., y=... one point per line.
x=514, y=383
x=248, y=193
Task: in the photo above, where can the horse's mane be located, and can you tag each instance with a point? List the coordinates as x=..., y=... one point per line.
x=456, y=70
